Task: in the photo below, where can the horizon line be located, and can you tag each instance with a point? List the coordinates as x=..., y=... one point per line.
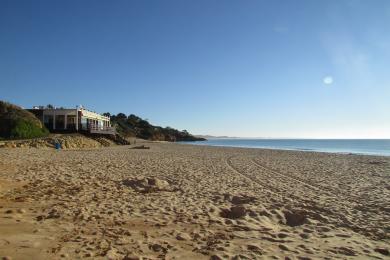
x=298, y=138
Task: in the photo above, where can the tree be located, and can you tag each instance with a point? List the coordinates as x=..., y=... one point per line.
x=133, y=125
x=121, y=116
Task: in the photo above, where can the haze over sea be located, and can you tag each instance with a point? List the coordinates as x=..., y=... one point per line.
x=355, y=146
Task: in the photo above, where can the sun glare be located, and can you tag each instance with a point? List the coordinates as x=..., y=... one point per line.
x=328, y=80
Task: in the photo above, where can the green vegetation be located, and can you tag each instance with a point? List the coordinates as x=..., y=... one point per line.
x=24, y=129
x=134, y=126
x=17, y=123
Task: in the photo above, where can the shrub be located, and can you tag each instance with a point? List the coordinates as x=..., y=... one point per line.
x=15, y=122
x=23, y=129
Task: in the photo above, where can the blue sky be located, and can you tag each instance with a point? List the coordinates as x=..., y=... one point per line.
x=315, y=69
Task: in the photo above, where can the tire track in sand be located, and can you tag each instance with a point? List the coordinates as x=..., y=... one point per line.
x=300, y=200
x=283, y=175
x=262, y=184
x=347, y=197
x=348, y=201
x=271, y=189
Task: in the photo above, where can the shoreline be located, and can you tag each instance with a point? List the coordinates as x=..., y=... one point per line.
x=293, y=149
x=192, y=201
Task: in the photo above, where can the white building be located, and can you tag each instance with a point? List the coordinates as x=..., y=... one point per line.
x=73, y=120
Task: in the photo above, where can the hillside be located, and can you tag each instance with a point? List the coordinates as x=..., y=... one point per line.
x=137, y=127
x=17, y=123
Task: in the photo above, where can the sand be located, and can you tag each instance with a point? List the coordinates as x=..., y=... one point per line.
x=176, y=201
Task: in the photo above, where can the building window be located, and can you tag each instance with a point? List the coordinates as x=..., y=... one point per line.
x=48, y=121
x=71, y=122
x=84, y=123
x=60, y=122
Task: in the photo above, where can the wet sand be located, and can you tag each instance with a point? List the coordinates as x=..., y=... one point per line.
x=176, y=201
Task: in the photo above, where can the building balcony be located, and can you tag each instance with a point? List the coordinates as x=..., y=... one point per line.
x=102, y=130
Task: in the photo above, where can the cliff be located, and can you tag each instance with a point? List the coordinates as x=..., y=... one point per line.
x=135, y=126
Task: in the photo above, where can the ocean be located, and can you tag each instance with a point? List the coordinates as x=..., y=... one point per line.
x=355, y=146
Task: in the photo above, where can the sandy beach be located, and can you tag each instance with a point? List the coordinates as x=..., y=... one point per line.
x=176, y=201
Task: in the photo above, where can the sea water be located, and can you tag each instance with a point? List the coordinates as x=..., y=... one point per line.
x=355, y=146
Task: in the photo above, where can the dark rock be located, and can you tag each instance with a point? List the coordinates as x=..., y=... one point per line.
x=40, y=218
x=383, y=251
x=296, y=218
x=238, y=200
x=140, y=147
x=234, y=212
x=215, y=257
x=157, y=247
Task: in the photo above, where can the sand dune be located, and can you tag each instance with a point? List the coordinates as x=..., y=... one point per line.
x=177, y=201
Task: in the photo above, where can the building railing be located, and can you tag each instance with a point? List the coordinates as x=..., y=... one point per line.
x=102, y=130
